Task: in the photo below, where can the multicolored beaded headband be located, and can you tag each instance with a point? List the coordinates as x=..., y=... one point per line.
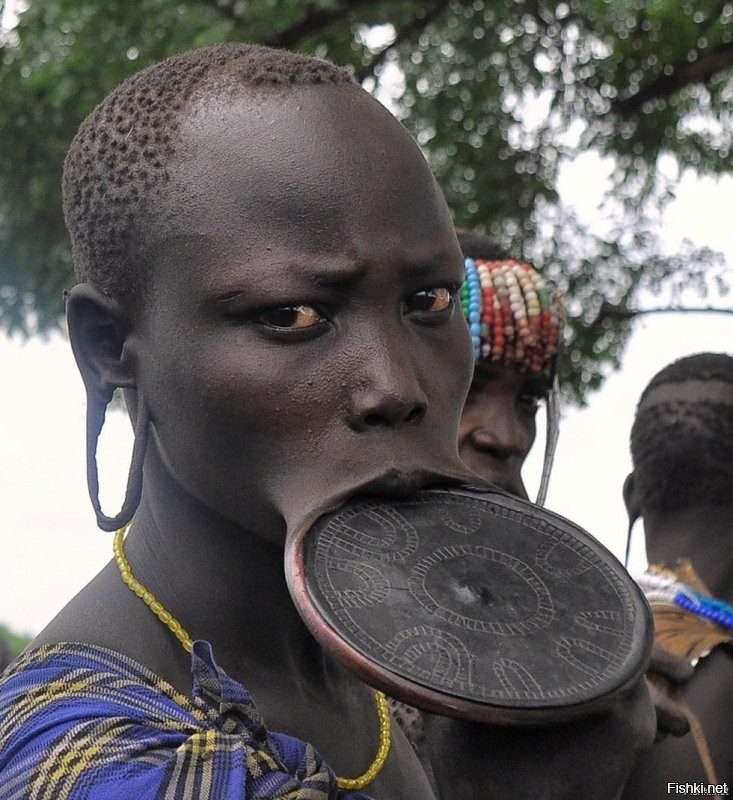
x=513, y=315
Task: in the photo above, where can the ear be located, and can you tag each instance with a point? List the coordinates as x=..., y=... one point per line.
x=98, y=329
x=631, y=499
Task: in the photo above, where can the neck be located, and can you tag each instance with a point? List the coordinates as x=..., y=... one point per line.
x=222, y=582
x=226, y=584
x=702, y=535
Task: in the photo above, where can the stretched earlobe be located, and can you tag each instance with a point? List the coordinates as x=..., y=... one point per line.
x=96, y=412
x=633, y=509
x=631, y=499
x=98, y=329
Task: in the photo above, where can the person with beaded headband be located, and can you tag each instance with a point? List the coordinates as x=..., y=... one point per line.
x=516, y=321
x=269, y=272
x=682, y=488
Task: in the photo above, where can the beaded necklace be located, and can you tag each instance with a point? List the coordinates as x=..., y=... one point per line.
x=663, y=587
x=175, y=627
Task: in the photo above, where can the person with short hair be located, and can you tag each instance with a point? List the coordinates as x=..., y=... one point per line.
x=682, y=488
x=269, y=272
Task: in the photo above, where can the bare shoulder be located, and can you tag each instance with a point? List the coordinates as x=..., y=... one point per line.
x=106, y=614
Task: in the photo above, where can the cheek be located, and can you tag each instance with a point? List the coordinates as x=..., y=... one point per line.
x=311, y=410
x=452, y=372
x=485, y=410
x=201, y=395
x=283, y=406
x=466, y=424
x=529, y=429
x=465, y=359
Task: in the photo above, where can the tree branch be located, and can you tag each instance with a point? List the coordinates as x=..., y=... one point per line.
x=683, y=74
x=416, y=25
x=314, y=20
x=225, y=11
x=712, y=17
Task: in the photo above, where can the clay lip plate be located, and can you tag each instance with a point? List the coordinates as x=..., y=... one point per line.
x=472, y=604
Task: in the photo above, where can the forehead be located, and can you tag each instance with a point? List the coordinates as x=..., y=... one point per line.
x=494, y=376
x=318, y=169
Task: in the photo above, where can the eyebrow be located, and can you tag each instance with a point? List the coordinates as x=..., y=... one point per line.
x=299, y=279
x=539, y=382
x=346, y=274
x=486, y=371
x=341, y=274
x=338, y=277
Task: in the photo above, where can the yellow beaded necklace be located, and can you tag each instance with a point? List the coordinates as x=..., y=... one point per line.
x=175, y=627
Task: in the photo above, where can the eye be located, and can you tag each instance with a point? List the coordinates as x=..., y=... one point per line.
x=291, y=317
x=533, y=391
x=432, y=300
x=530, y=402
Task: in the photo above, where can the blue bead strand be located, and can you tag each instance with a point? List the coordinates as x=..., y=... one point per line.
x=710, y=608
x=474, y=306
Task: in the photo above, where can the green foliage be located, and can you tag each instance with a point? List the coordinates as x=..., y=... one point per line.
x=17, y=641
x=499, y=93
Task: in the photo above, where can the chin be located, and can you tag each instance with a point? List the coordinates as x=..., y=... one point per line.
x=510, y=483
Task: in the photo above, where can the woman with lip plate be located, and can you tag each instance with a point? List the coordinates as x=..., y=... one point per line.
x=268, y=271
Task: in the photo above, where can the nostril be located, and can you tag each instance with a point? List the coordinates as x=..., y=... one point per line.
x=376, y=418
x=416, y=414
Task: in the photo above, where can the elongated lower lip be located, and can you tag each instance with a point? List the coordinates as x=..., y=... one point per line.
x=396, y=485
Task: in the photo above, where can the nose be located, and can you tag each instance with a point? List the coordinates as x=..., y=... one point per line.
x=501, y=441
x=500, y=434
x=387, y=393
